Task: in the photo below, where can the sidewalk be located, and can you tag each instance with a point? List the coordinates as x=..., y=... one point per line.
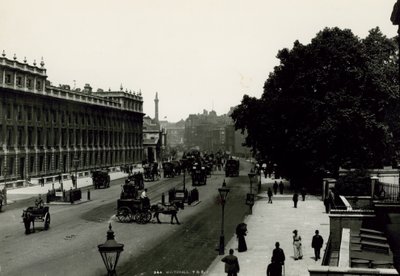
x=27, y=192
x=274, y=222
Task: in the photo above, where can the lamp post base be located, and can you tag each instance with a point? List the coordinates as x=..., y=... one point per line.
x=221, y=250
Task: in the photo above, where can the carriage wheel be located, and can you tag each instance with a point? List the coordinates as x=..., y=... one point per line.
x=124, y=214
x=47, y=221
x=138, y=218
x=147, y=215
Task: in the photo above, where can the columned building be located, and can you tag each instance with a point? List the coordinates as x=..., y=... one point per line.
x=47, y=130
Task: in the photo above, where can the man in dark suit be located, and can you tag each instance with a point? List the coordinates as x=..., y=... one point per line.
x=317, y=242
x=274, y=268
x=231, y=264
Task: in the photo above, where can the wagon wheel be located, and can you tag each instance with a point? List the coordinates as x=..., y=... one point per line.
x=47, y=221
x=124, y=214
x=147, y=215
x=138, y=218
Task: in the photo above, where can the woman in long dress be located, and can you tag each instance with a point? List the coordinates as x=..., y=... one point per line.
x=298, y=252
x=241, y=231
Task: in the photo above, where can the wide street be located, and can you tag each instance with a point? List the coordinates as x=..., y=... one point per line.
x=69, y=247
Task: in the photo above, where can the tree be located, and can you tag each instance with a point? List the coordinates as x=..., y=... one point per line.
x=326, y=106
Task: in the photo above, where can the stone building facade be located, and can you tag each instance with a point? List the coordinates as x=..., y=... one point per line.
x=47, y=130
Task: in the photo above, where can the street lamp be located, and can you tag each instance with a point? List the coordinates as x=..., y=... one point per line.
x=250, y=196
x=223, y=193
x=110, y=251
x=251, y=177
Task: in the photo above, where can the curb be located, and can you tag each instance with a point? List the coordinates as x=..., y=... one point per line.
x=78, y=202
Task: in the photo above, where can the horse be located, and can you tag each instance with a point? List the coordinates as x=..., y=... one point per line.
x=29, y=216
x=167, y=210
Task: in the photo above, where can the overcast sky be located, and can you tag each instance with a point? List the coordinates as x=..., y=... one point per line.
x=197, y=54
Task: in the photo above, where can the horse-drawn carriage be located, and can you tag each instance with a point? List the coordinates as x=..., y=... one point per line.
x=177, y=167
x=168, y=169
x=199, y=174
x=36, y=214
x=232, y=168
x=132, y=208
x=137, y=179
x=151, y=172
x=101, y=179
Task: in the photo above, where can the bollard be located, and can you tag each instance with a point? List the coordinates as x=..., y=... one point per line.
x=88, y=194
x=163, y=199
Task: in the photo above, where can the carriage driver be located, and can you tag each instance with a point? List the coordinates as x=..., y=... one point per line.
x=145, y=200
x=39, y=202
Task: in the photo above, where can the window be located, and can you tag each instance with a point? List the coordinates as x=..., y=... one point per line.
x=48, y=162
x=28, y=113
x=41, y=163
x=56, y=138
x=38, y=85
x=19, y=81
x=48, y=138
x=77, y=138
x=19, y=113
x=56, y=163
x=71, y=137
x=8, y=111
x=30, y=136
x=38, y=114
x=31, y=164
x=39, y=137
x=10, y=138
x=8, y=79
x=63, y=137
x=21, y=137
x=11, y=166
x=29, y=83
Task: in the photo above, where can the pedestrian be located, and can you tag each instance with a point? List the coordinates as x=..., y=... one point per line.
x=275, y=187
x=278, y=255
x=39, y=202
x=281, y=187
x=295, y=199
x=274, y=268
x=269, y=195
x=298, y=252
x=42, y=182
x=303, y=193
x=317, y=242
x=241, y=232
x=231, y=264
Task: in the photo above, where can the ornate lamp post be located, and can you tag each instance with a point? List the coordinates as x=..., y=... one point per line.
x=110, y=251
x=223, y=193
x=250, y=196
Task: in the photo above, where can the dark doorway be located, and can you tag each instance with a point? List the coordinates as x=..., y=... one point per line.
x=64, y=165
x=22, y=167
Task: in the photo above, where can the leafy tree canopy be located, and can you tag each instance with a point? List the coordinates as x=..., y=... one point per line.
x=329, y=104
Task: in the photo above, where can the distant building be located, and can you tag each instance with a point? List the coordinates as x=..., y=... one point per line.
x=206, y=131
x=175, y=133
x=154, y=137
x=46, y=131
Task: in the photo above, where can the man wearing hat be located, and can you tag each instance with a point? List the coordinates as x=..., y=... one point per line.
x=298, y=252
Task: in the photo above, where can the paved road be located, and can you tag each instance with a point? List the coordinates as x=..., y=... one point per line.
x=69, y=247
x=190, y=248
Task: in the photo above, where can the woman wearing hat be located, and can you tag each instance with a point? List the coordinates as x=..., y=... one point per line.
x=298, y=252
